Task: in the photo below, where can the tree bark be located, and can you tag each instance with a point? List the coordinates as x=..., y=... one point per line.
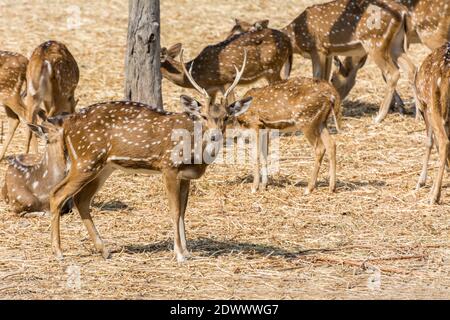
x=142, y=64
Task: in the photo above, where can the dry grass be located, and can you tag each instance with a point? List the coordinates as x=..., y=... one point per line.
x=275, y=244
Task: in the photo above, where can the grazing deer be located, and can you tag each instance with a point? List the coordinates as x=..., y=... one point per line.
x=137, y=137
x=28, y=179
x=13, y=68
x=355, y=28
x=268, y=51
x=297, y=104
x=433, y=101
x=430, y=25
x=52, y=77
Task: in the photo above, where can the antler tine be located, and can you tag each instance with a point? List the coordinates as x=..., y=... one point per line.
x=191, y=79
x=238, y=76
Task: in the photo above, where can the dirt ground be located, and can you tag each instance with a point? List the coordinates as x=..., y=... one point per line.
x=375, y=238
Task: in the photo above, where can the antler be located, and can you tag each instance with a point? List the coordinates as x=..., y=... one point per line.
x=191, y=79
x=238, y=76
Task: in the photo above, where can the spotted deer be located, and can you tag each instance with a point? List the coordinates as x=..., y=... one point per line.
x=138, y=137
x=30, y=178
x=376, y=28
x=268, y=52
x=13, y=68
x=297, y=104
x=430, y=22
x=52, y=77
x=433, y=101
x=430, y=25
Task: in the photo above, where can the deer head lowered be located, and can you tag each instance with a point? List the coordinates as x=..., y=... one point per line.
x=29, y=179
x=52, y=77
x=355, y=28
x=133, y=136
x=430, y=25
x=268, y=51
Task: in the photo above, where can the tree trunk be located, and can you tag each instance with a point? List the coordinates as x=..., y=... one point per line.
x=142, y=65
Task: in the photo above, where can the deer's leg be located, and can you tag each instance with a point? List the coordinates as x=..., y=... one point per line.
x=82, y=204
x=314, y=140
x=173, y=190
x=392, y=74
x=13, y=123
x=330, y=146
x=320, y=62
x=442, y=142
x=264, y=154
x=408, y=66
x=396, y=101
x=184, y=195
x=65, y=190
x=256, y=168
x=429, y=146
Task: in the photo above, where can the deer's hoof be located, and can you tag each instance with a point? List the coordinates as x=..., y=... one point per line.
x=181, y=258
x=106, y=254
x=378, y=120
x=59, y=256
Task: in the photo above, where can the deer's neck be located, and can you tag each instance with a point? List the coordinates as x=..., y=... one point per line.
x=173, y=71
x=52, y=166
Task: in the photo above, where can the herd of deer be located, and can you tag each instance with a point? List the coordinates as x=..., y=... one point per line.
x=83, y=148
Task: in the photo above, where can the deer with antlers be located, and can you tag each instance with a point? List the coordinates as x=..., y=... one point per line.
x=268, y=52
x=138, y=137
x=13, y=68
x=430, y=25
x=432, y=86
x=52, y=77
x=29, y=179
x=297, y=104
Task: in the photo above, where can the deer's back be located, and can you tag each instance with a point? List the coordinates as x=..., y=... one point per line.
x=13, y=68
x=434, y=74
x=126, y=133
x=65, y=71
x=267, y=51
x=303, y=100
x=342, y=22
x=431, y=20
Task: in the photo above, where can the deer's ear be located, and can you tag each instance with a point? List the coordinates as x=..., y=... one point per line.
x=239, y=107
x=190, y=106
x=174, y=50
x=337, y=62
x=42, y=114
x=362, y=62
x=237, y=22
x=262, y=24
x=40, y=131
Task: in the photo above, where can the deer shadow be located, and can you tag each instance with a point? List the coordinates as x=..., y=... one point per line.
x=360, y=109
x=206, y=247
x=113, y=205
